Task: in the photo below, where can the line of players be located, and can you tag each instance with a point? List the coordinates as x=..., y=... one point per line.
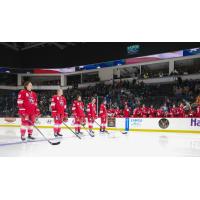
x=150, y=112
x=29, y=111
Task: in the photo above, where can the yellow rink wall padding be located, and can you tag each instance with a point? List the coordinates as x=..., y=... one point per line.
x=119, y=129
x=173, y=125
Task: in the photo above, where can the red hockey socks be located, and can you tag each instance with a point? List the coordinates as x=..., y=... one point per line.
x=55, y=129
x=22, y=131
x=58, y=130
x=30, y=131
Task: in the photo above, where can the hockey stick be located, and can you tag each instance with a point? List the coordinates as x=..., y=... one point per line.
x=87, y=131
x=100, y=126
x=107, y=131
x=72, y=131
x=52, y=143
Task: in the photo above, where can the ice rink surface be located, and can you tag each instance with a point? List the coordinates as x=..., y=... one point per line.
x=113, y=144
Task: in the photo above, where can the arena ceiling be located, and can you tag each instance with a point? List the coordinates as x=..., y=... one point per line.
x=23, y=46
x=69, y=54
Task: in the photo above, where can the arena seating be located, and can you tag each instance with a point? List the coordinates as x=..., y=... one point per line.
x=135, y=93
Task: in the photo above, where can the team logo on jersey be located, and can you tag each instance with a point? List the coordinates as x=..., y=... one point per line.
x=163, y=123
x=31, y=100
x=61, y=102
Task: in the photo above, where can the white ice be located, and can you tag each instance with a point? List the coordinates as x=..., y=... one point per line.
x=114, y=144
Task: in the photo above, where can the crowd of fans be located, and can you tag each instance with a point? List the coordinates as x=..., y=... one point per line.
x=165, y=72
x=177, y=99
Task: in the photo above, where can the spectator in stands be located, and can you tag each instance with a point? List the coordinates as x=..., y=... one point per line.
x=165, y=108
x=161, y=74
x=198, y=100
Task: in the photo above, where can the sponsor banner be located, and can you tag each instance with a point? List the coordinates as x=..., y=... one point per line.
x=154, y=124
x=111, y=122
x=165, y=123
x=10, y=121
x=135, y=123
x=195, y=122
x=50, y=122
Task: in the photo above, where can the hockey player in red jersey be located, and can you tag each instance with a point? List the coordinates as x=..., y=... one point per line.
x=137, y=112
x=152, y=112
x=91, y=114
x=198, y=111
x=117, y=112
x=58, y=107
x=144, y=111
x=103, y=116
x=28, y=110
x=78, y=113
x=160, y=113
x=181, y=111
x=126, y=111
x=173, y=111
x=111, y=112
x=191, y=113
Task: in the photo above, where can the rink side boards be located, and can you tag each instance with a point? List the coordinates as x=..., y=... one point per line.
x=175, y=125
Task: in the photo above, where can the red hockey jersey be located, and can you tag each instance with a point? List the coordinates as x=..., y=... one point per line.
x=117, y=113
x=144, y=111
x=126, y=112
x=160, y=113
x=103, y=111
x=198, y=111
x=78, y=109
x=58, y=105
x=137, y=112
x=173, y=112
x=180, y=112
x=91, y=110
x=27, y=103
x=191, y=113
x=152, y=112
